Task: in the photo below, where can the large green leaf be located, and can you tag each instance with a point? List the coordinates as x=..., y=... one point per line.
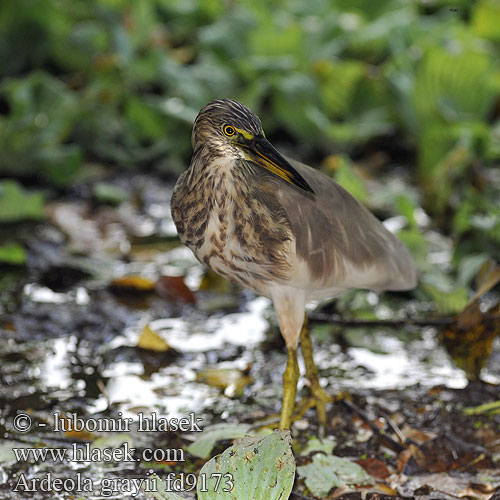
x=327, y=471
x=252, y=469
x=486, y=19
x=205, y=443
x=454, y=85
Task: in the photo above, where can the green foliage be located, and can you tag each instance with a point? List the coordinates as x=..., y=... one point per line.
x=454, y=93
x=454, y=85
x=33, y=137
x=109, y=193
x=204, y=445
x=132, y=75
x=12, y=253
x=118, y=83
x=486, y=19
x=17, y=204
x=315, y=445
x=446, y=301
x=327, y=471
x=259, y=468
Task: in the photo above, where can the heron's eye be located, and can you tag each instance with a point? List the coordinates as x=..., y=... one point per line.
x=228, y=130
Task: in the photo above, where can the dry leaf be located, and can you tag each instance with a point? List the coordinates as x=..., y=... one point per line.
x=174, y=288
x=416, y=435
x=403, y=458
x=151, y=341
x=476, y=490
x=374, y=467
x=446, y=453
x=469, y=340
x=134, y=282
x=370, y=493
x=232, y=381
x=446, y=484
x=82, y=435
x=487, y=278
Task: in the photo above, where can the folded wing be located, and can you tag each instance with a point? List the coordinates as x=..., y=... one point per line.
x=339, y=243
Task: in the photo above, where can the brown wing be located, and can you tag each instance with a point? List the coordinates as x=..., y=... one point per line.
x=340, y=241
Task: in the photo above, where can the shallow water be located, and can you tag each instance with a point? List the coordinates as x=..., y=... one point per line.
x=74, y=350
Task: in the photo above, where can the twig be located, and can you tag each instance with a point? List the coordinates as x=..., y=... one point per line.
x=392, y=323
x=395, y=429
x=473, y=462
x=391, y=443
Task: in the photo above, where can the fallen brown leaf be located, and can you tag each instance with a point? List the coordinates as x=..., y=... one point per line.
x=446, y=453
x=403, y=458
x=469, y=340
x=82, y=435
x=174, y=288
x=416, y=435
x=134, y=282
x=231, y=380
x=486, y=279
x=374, y=467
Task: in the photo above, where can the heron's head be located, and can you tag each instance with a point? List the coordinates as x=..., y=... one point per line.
x=231, y=130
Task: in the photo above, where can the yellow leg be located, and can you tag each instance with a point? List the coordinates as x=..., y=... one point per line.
x=319, y=395
x=290, y=379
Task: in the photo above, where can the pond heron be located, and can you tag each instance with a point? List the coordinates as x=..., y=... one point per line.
x=281, y=229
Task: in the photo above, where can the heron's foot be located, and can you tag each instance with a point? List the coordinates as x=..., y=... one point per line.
x=318, y=399
x=273, y=421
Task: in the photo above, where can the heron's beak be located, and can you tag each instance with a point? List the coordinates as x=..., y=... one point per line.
x=259, y=150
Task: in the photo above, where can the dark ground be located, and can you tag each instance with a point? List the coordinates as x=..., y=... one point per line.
x=68, y=344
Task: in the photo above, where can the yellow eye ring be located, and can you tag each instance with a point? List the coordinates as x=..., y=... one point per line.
x=228, y=130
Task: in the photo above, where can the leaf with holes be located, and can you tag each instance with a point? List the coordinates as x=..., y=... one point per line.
x=251, y=469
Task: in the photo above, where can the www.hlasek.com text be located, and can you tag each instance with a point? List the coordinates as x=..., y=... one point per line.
x=88, y=453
